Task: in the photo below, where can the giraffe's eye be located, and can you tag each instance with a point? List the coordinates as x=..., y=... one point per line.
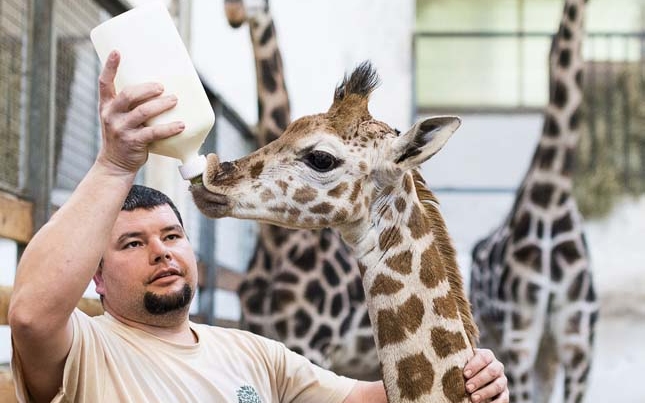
x=321, y=161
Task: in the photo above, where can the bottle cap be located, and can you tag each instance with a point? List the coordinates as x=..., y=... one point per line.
x=192, y=168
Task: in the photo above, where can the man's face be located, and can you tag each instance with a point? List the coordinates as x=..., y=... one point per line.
x=149, y=267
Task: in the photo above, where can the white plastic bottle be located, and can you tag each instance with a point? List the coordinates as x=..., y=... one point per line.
x=152, y=51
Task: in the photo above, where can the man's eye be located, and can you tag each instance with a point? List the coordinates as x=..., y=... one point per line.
x=132, y=244
x=172, y=237
x=321, y=161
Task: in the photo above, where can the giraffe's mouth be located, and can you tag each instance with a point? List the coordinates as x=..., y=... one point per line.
x=214, y=205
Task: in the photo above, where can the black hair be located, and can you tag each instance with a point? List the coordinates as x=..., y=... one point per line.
x=148, y=198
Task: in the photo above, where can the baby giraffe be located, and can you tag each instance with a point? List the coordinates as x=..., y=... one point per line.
x=345, y=170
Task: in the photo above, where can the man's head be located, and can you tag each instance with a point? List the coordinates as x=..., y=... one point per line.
x=148, y=272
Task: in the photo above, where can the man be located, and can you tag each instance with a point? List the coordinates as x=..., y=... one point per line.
x=131, y=240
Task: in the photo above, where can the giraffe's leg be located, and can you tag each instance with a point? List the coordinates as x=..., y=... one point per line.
x=575, y=346
x=522, y=334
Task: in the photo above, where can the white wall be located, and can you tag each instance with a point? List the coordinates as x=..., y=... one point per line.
x=320, y=41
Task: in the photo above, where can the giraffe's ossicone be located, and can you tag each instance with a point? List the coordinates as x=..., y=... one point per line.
x=346, y=170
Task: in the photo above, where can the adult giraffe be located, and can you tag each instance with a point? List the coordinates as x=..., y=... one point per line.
x=346, y=170
x=302, y=287
x=531, y=284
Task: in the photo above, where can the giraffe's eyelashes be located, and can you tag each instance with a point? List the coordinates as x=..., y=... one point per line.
x=321, y=161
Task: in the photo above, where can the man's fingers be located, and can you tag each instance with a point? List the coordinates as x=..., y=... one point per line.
x=161, y=131
x=495, y=389
x=106, y=79
x=480, y=360
x=149, y=109
x=132, y=96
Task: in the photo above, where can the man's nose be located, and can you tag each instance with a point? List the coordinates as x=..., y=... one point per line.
x=159, y=252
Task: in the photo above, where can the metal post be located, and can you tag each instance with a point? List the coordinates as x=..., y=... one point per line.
x=40, y=126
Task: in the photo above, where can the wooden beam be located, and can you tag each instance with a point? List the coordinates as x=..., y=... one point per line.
x=91, y=306
x=16, y=221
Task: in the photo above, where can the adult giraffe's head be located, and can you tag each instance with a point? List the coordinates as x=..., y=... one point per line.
x=334, y=169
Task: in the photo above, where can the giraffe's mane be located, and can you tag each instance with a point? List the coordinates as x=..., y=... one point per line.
x=362, y=81
x=448, y=254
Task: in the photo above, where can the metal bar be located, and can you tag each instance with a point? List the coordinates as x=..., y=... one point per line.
x=40, y=127
x=207, y=243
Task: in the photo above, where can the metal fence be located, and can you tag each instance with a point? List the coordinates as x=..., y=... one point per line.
x=507, y=72
x=49, y=125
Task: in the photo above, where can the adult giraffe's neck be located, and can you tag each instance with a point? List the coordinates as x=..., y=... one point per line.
x=273, y=100
x=416, y=306
x=549, y=178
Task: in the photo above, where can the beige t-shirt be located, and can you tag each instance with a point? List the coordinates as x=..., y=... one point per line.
x=111, y=362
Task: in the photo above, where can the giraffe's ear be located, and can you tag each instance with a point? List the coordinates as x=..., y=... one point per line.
x=423, y=140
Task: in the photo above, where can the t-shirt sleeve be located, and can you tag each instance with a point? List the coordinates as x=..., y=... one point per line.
x=299, y=380
x=80, y=376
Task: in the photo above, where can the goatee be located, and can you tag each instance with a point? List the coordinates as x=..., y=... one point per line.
x=162, y=304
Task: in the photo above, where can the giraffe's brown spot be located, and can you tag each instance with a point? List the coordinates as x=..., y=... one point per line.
x=408, y=185
x=545, y=157
x=389, y=238
x=267, y=69
x=362, y=166
x=362, y=268
x=305, y=194
x=446, y=307
x=454, y=386
x=416, y=376
x=385, y=285
x=446, y=342
x=393, y=324
x=267, y=195
x=419, y=226
x=564, y=58
x=283, y=186
x=355, y=191
x=386, y=213
x=279, y=116
x=338, y=190
x=280, y=299
x=562, y=225
x=551, y=127
x=541, y=194
x=256, y=169
x=431, y=273
x=560, y=94
x=281, y=209
x=401, y=262
x=322, y=208
x=294, y=213
x=522, y=227
x=400, y=204
x=568, y=250
x=529, y=255
x=573, y=324
x=340, y=216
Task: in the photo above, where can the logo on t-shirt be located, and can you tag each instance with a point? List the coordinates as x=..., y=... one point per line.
x=247, y=394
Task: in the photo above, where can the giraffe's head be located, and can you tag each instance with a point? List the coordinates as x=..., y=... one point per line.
x=334, y=169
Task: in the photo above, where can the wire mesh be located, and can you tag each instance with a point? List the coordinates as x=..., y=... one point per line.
x=13, y=43
x=76, y=127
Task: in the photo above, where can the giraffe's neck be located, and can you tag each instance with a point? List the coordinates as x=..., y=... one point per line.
x=273, y=100
x=421, y=338
x=548, y=181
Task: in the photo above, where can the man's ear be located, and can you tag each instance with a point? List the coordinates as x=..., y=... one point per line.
x=423, y=140
x=98, y=280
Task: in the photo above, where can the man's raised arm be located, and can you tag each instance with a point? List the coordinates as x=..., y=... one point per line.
x=60, y=260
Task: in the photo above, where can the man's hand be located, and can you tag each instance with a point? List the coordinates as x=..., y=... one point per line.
x=485, y=378
x=125, y=137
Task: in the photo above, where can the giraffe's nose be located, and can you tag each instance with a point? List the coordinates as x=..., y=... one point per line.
x=225, y=169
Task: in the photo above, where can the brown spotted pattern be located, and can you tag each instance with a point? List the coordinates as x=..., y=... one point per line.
x=532, y=275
